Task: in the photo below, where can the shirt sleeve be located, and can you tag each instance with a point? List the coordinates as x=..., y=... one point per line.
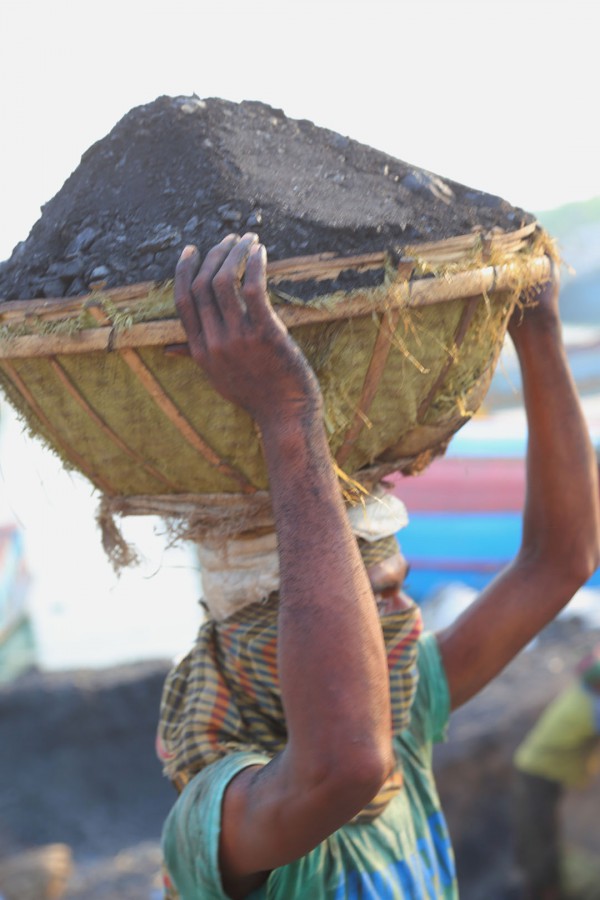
x=431, y=708
x=190, y=839
x=560, y=744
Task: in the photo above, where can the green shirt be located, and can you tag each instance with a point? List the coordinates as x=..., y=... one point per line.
x=563, y=745
x=404, y=853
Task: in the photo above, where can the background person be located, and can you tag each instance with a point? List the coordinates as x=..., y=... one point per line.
x=561, y=751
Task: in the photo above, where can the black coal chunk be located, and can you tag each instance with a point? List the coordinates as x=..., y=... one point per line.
x=184, y=170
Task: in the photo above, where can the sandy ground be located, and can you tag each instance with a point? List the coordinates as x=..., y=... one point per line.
x=78, y=767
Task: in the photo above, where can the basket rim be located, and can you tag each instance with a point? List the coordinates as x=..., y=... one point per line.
x=410, y=289
x=295, y=268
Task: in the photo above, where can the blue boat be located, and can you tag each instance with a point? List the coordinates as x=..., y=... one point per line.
x=465, y=511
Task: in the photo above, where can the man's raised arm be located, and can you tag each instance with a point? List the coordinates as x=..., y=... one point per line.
x=561, y=529
x=331, y=657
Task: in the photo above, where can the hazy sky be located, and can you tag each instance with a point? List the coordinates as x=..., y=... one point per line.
x=501, y=96
x=498, y=95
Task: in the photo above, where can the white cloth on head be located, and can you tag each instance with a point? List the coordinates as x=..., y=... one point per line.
x=237, y=571
x=380, y=516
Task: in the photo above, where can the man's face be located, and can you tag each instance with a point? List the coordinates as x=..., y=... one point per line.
x=387, y=578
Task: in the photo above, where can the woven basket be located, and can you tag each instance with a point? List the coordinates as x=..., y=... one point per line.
x=402, y=366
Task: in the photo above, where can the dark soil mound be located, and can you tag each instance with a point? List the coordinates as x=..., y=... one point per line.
x=77, y=762
x=183, y=170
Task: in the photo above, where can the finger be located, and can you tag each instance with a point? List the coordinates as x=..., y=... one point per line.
x=214, y=258
x=227, y=283
x=185, y=272
x=176, y=350
x=254, y=290
x=207, y=307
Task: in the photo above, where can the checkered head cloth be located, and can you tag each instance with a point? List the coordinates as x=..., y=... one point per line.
x=224, y=695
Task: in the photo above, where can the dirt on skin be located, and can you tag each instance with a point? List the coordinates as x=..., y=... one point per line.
x=77, y=766
x=185, y=170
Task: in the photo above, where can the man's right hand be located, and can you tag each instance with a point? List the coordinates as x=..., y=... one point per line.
x=538, y=310
x=236, y=337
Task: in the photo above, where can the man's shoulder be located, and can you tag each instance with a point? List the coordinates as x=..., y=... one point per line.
x=211, y=781
x=431, y=707
x=429, y=660
x=190, y=837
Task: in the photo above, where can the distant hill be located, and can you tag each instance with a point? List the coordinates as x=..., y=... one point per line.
x=576, y=227
x=565, y=219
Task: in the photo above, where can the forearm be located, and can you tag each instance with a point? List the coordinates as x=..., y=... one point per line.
x=332, y=663
x=561, y=530
x=331, y=659
x=561, y=518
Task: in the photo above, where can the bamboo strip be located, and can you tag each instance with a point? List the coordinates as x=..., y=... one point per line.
x=445, y=257
x=467, y=242
x=63, y=376
x=102, y=318
x=69, y=453
x=381, y=350
x=57, y=308
x=177, y=418
x=286, y=269
x=423, y=292
x=323, y=267
x=463, y=325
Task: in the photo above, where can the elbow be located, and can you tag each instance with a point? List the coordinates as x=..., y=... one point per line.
x=571, y=565
x=359, y=776
x=594, y=561
x=584, y=559
x=585, y=566
x=584, y=556
x=370, y=769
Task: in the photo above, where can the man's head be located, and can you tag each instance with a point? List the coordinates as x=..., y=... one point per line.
x=239, y=571
x=376, y=524
x=387, y=580
x=203, y=717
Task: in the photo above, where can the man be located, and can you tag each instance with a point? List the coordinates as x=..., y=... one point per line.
x=562, y=751
x=290, y=824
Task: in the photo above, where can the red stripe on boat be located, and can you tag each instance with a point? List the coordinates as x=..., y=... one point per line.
x=464, y=485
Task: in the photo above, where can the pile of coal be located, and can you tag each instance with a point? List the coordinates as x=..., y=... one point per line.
x=185, y=170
